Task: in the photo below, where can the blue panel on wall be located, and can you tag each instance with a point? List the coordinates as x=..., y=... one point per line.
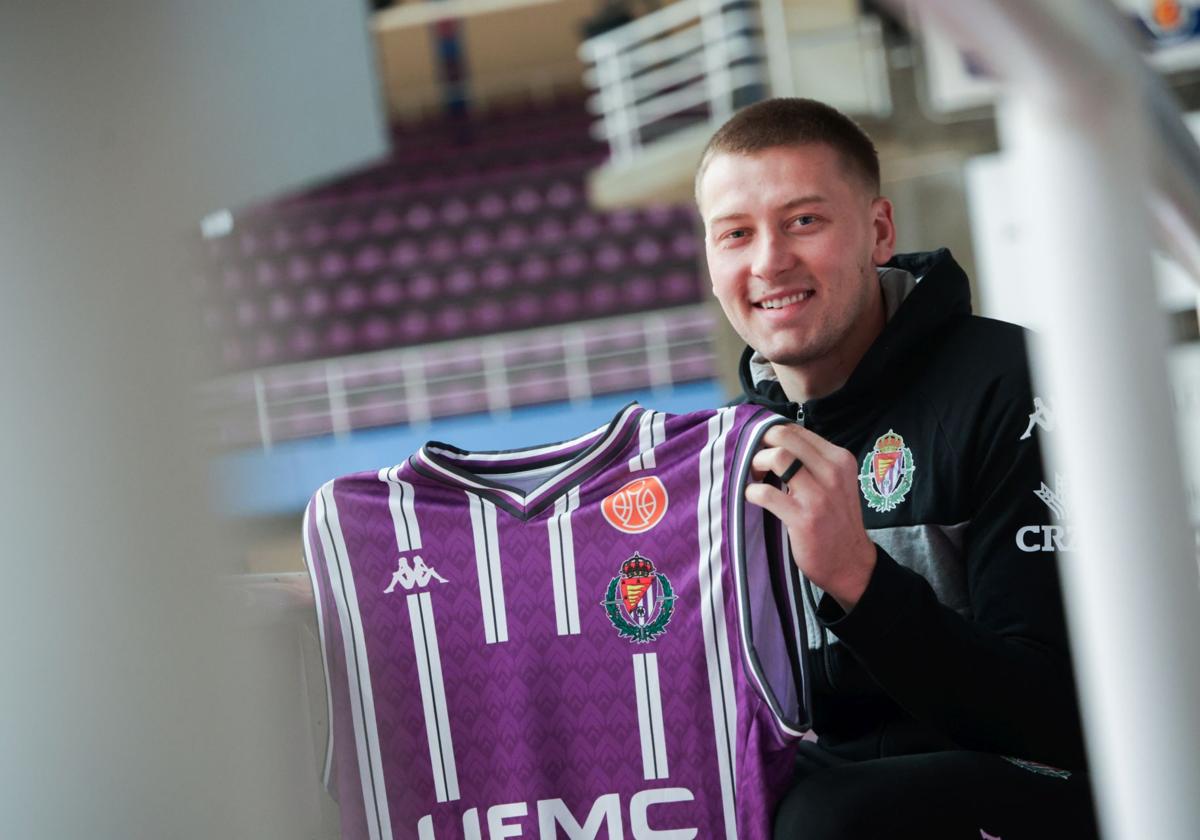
x=260, y=483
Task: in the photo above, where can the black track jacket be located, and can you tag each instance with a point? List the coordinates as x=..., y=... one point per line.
x=959, y=640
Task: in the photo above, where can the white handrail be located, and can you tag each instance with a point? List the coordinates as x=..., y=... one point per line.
x=1092, y=131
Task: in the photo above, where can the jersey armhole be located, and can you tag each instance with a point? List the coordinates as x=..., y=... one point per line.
x=771, y=629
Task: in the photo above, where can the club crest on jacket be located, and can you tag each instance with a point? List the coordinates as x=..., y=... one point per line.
x=887, y=473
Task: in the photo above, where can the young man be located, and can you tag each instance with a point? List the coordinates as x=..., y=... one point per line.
x=913, y=495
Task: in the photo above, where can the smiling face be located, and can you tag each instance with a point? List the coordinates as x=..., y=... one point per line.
x=792, y=239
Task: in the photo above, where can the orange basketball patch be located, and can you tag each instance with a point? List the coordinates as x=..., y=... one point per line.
x=637, y=507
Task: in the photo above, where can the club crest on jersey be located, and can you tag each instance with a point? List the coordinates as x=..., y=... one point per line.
x=887, y=473
x=637, y=507
x=640, y=600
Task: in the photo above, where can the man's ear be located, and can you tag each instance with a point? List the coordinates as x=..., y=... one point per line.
x=884, y=229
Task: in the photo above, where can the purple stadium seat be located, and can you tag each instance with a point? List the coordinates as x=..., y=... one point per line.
x=338, y=338
x=571, y=263
x=526, y=200
x=419, y=217
x=414, y=327
x=564, y=305
x=647, y=251
x=602, y=298
x=496, y=275
x=476, y=243
x=551, y=231
x=387, y=292
x=315, y=302
x=369, y=259
x=487, y=316
x=659, y=215
x=405, y=254
x=513, y=236
x=455, y=211
x=442, y=248
x=350, y=297
x=299, y=269
x=459, y=281
x=586, y=226
x=349, y=229
x=684, y=246
x=609, y=257
x=491, y=205
x=280, y=307
x=640, y=291
x=451, y=321
x=385, y=222
x=332, y=265
x=534, y=269
x=526, y=309
x=678, y=286
x=302, y=342
x=423, y=286
x=376, y=332
x=315, y=234
x=561, y=194
x=623, y=221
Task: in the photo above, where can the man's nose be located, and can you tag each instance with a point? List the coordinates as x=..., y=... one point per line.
x=771, y=256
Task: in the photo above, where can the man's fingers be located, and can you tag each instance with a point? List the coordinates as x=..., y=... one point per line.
x=770, y=498
x=819, y=456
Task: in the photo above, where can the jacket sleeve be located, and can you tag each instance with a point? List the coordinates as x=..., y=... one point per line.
x=999, y=680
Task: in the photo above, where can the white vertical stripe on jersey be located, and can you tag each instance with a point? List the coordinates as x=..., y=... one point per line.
x=358, y=671
x=650, y=716
x=562, y=564
x=644, y=460
x=433, y=697
x=311, y=562
x=401, y=503
x=658, y=433
x=712, y=610
x=487, y=564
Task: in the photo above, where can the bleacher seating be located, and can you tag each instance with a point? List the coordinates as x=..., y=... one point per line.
x=471, y=227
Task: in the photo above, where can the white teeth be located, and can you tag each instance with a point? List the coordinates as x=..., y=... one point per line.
x=780, y=302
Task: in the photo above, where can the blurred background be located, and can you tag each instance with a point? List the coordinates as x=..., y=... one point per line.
x=254, y=247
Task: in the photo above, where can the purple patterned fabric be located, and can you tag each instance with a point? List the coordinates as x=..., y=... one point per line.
x=590, y=639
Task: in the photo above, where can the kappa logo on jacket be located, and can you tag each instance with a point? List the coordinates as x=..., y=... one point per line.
x=887, y=473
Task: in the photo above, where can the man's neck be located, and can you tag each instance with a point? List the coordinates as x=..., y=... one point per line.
x=822, y=376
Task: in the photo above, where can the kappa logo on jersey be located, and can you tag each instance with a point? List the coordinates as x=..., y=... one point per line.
x=887, y=473
x=637, y=507
x=1043, y=416
x=640, y=600
x=418, y=574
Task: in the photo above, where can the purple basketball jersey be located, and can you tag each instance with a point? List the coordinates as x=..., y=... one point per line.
x=589, y=639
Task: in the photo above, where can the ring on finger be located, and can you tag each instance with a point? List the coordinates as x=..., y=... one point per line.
x=792, y=469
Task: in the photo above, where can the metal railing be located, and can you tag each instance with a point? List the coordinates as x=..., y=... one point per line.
x=574, y=362
x=690, y=62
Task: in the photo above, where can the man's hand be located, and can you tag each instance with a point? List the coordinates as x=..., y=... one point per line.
x=820, y=509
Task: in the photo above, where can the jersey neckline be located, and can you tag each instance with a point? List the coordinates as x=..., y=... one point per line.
x=580, y=457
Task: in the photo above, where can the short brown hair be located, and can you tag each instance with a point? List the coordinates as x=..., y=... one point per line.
x=794, y=122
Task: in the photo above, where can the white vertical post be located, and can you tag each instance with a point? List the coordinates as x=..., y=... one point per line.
x=718, y=76
x=579, y=385
x=1130, y=581
x=260, y=407
x=778, y=48
x=335, y=391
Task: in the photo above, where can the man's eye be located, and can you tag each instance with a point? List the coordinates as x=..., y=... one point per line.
x=804, y=221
